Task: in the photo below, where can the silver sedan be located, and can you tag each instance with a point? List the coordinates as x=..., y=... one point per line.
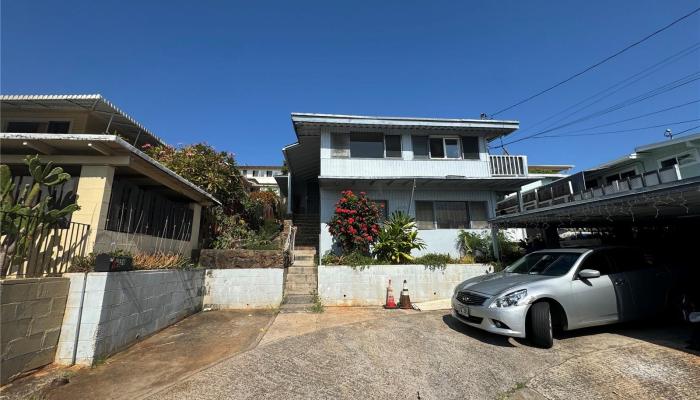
x=565, y=288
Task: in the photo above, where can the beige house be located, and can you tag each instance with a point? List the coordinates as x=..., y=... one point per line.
x=129, y=200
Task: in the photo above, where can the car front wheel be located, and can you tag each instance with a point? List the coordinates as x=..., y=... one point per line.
x=540, y=322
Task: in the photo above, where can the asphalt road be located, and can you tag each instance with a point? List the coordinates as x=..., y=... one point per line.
x=428, y=355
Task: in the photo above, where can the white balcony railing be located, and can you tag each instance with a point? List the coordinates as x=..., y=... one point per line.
x=507, y=165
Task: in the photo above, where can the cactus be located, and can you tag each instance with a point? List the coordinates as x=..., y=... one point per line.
x=25, y=220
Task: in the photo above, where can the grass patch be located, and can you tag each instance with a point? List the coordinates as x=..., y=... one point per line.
x=318, y=306
x=506, y=395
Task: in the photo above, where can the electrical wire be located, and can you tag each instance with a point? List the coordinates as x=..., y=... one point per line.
x=563, y=135
x=649, y=36
x=642, y=97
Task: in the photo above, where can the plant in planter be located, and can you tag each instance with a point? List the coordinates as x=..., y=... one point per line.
x=355, y=223
x=117, y=260
x=397, y=238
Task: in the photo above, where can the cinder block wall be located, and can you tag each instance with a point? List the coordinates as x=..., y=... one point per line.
x=243, y=288
x=345, y=286
x=120, y=308
x=31, y=312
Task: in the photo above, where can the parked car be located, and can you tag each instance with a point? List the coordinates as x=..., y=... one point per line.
x=567, y=289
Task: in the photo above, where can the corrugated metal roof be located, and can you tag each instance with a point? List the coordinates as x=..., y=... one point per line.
x=90, y=102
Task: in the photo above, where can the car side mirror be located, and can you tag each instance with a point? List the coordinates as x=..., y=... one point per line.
x=589, y=273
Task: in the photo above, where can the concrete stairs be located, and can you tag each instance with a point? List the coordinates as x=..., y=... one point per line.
x=301, y=280
x=308, y=229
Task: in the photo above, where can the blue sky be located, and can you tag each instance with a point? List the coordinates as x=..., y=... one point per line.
x=230, y=73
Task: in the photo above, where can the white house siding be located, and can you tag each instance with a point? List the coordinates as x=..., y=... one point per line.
x=437, y=240
x=381, y=167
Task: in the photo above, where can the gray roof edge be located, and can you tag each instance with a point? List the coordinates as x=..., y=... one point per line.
x=108, y=138
x=96, y=96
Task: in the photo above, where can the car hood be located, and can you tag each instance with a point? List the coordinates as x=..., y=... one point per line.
x=493, y=284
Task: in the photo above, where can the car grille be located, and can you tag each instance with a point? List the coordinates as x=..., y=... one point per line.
x=471, y=298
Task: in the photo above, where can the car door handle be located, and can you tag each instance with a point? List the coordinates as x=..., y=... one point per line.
x=619, y=282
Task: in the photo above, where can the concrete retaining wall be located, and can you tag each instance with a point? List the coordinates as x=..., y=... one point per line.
x=243, y=288
x=120, y=308
x=345, y=286
x=31, y=312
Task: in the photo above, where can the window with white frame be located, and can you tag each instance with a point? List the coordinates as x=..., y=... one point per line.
x=451, y=214
x=445, y=148
x=682, y=159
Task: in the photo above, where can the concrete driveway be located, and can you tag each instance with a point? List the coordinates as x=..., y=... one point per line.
x=356, y=354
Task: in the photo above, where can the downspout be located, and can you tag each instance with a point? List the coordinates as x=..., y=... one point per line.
x=77, y=326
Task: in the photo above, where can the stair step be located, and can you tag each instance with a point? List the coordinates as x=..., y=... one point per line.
x=300, y=288
x=295, y=308
x=298, y=299
x=296, y=269
x=301, y=278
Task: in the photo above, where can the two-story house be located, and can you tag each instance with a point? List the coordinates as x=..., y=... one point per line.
x=435, y=169
x=128, y=200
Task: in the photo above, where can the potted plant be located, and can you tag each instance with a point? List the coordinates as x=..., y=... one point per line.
x=117, y=260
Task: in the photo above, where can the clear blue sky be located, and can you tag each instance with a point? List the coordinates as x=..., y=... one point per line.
x=230, y=73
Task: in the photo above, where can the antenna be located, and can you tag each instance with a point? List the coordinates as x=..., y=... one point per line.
x=669, y=134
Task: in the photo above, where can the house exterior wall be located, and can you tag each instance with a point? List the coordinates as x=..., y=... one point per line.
x=398, y=199
x=78, y=119
x=94, y=190
x=406, y=165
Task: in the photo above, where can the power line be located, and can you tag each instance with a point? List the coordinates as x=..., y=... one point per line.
x=638, y=116
x=563, y=135
x=597, y=64
x=645, y=96
x=651, y=69
x=687, y=130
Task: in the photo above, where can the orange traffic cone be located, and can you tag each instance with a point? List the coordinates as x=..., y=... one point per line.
x=405, y=300
x=390, y=302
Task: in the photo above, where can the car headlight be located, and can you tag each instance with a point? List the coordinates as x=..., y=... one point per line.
x=510, y=299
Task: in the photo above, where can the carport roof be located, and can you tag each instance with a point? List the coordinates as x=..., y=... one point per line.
x=645, y=206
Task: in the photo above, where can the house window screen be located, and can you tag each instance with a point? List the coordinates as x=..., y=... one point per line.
x=478, y=215
x=424, y=215
x=470, y=147
x=366, y=145
x=451, y=215
x=340, y=145
x=393, y=146
x=420, y=146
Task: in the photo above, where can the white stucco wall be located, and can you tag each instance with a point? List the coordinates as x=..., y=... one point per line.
x=243, y=288
x=119, y=308
x=345, y=286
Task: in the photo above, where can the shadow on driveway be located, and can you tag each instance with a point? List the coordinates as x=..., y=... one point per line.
x=474, y=333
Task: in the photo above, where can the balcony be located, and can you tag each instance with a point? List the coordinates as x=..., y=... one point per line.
x=507, y=165
x=572, y=190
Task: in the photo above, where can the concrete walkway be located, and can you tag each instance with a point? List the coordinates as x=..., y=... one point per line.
x=157, y=362
x=377, y=354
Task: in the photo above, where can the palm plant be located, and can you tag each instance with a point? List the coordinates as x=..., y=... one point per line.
x=397, y=238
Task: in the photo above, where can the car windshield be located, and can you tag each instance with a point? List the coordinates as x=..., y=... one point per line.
x=544, y=263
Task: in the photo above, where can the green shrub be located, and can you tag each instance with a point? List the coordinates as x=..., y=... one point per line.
x=354, y=260
x=479, y=246
x=397, y=238
x=434, y=261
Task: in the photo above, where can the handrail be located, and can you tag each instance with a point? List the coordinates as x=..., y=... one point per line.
x=289, y=243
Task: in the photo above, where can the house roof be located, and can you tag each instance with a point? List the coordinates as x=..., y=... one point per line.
x=88, y=149
x=639, y=150
x=490, y=128
x=93, y=103
x=555, y=168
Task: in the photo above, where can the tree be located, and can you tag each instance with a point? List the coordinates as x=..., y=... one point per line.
x=354, y=225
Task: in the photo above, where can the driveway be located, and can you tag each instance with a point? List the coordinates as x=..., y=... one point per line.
x=389, y=355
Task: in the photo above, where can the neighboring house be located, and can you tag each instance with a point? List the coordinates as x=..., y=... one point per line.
x=437, y=170
x=128, y=200
x=262, y=177
x=649, y=168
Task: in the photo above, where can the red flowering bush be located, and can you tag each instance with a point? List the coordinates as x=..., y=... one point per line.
x=354, y=225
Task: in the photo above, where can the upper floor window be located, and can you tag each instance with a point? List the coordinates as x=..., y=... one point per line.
x=38, y=126
x=444, y=147
x=392, y=144
x=268, y=173
x=682, y=159
x=366, y=145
